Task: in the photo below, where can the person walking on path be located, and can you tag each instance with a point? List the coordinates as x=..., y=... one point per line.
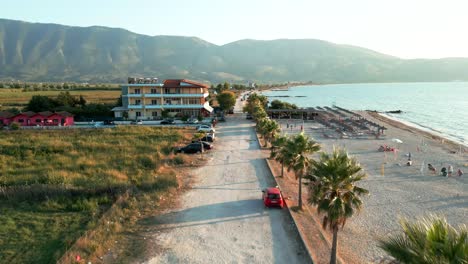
x=459, y=173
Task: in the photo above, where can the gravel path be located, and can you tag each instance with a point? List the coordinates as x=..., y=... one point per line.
x=222, y=219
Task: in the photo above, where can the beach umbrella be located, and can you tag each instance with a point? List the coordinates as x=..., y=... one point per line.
x=396, y=140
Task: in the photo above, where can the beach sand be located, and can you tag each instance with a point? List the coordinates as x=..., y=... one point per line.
x=397, y=190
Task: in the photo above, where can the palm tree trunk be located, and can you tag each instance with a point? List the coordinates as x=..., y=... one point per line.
x=334, y=245
x=300, y=192
x=282, y=168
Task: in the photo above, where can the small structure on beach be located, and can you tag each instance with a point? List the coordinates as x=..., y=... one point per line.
x=338, y=120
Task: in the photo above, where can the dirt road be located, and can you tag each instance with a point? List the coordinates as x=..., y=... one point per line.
x=222, y=219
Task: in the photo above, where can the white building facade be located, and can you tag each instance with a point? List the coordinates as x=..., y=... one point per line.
x=148, y=99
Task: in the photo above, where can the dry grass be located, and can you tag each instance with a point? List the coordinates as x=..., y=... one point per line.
x=70, y=178
x=16, y=97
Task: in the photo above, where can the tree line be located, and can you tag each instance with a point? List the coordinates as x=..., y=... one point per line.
x=30, y=87
x=332, y=183
x=76, y=105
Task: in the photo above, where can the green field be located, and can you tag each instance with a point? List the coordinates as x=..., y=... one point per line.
x=56, y=184
x=19, y=98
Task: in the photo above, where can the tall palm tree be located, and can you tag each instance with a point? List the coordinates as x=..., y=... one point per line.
x=272, y=129
x=279, y=151
x=428, y=240
x=332, y=188
x=300, y=148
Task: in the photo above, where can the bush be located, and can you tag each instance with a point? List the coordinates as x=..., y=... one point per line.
x=178, y=160
x=184, y=118
x=15, y=126
x=200, y=118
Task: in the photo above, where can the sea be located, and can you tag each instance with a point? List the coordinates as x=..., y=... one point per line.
x=440, y=108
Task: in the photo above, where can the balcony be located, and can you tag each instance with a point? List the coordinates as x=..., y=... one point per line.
x=135, y=106
x=133, y=95
x=174, y=95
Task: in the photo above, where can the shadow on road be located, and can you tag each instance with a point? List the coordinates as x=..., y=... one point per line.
x=207, y=214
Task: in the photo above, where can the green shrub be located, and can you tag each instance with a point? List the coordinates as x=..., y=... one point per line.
x=184, y=118
x=15, y=126
x=146, y=162
x=178, y=160
x=84, y=205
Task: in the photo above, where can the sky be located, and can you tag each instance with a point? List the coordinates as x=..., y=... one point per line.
x=403, y=28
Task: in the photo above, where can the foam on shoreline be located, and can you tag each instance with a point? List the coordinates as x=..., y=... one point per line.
x=429, y=130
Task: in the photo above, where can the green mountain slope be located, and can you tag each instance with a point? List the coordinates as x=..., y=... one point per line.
x=50, y=52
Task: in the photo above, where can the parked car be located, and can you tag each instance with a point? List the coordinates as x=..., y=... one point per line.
x=208, y=138
x=206, y=145
x=192, y=121
x=205, y=128
x=109, y=123
x=272, y=197
x=222, y=119
x=136, y=122
x=248, y=116
x=167, y=122
x=192, y=148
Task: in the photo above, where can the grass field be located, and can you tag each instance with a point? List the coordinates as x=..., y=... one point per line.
x=18, y=98
x=54, y=185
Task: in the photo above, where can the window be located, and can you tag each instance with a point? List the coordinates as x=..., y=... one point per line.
x=166, y=90
x=153, y=90
x=154, y=114
x=138, y=114
x=168, y=101
x=137, y=91
x=273, y=196
x=20, y=120
x=154, y=102
x=137, y=102
x=193, y=101
x=38, y=120
x=55, y=120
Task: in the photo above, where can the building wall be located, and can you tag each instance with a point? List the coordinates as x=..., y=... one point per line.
x=147, y=101
x=39, y=120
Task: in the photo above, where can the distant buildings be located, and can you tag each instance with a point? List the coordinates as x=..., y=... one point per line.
x=147, y=99
x=37, y=119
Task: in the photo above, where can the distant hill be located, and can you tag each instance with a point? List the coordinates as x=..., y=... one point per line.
x=50, y=52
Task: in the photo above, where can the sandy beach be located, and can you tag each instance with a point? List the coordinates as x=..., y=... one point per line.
x=396, y=190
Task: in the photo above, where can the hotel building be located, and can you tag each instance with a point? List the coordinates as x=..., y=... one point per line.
x=146, y=99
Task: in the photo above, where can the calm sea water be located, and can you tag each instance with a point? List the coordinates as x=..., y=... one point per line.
x=441, y=108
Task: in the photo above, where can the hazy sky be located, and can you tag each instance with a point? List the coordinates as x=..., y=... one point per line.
x=403, y=28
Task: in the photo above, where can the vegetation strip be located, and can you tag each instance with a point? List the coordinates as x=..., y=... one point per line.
x=55, y=185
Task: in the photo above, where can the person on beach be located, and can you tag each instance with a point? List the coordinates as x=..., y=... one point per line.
x=443, y=171
x=450, y=170
x=431, y=168
x=459, y=173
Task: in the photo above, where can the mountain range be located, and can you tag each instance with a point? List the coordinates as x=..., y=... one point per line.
x=51, y=52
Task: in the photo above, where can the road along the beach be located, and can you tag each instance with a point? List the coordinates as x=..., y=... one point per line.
x=222, y=219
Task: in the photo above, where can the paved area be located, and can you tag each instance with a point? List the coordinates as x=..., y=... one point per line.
x=222, y=219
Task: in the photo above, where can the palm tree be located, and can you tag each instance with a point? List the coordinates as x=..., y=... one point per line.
x=332, y=188
x=300, y=147
x=271, y=130
x=428, y=240
x=279, y=151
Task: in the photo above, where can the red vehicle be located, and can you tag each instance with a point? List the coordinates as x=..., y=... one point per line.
x=272, y=197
